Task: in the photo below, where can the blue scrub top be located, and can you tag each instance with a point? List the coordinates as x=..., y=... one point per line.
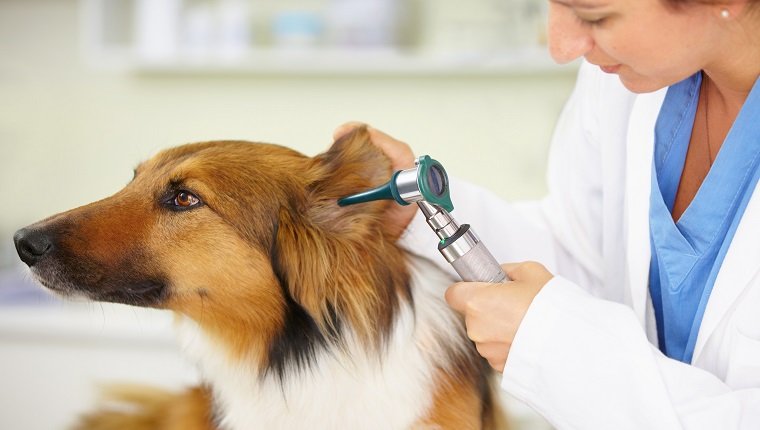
x=686, y=255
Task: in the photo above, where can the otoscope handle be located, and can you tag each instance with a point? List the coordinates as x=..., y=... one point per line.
x=478, y=265
x=470, y=257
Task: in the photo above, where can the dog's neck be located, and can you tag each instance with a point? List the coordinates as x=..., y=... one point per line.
x=340, y=384
x=354, y=302
x=333, y=284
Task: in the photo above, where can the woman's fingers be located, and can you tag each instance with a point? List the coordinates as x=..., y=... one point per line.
x=460, y=295
x=495, y=353
x=400, y=153
x=528, y=271
x=493, y=312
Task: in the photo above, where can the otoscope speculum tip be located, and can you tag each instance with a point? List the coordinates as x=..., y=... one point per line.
x=387, y=191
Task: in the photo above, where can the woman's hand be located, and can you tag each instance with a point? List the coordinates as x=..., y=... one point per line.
x=493, y=312
x=401, y=157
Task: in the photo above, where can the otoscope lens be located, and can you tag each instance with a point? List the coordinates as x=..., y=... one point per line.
x=436, y=180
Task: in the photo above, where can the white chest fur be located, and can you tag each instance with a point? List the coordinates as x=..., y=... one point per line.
x=342, y=389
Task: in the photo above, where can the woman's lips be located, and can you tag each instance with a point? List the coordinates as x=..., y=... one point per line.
x=610, y=69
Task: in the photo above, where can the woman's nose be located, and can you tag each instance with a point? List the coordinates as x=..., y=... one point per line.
x=568, y=37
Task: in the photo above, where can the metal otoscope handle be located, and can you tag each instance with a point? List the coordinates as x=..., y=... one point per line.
x=462, y=248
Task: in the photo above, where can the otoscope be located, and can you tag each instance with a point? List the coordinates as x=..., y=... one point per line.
x=428, y=185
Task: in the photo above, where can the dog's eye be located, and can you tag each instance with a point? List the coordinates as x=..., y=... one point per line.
x=185, y=200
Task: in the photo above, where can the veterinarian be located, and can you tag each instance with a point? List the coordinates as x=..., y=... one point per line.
x=644, y=311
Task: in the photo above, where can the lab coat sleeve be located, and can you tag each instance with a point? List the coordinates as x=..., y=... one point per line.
x=585, y=363
x=562, y=231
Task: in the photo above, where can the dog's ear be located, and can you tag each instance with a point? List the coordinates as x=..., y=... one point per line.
x=352, y=164
x=352, y=161
x=339, y=261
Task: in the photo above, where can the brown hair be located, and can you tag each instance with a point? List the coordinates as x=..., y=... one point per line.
x=681, y=3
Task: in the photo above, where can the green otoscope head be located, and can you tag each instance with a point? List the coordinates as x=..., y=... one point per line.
x=427, y=181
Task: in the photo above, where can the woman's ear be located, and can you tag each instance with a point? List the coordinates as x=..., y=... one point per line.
x=730, y=11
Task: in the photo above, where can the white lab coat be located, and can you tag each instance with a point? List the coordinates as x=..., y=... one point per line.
x=585, y=355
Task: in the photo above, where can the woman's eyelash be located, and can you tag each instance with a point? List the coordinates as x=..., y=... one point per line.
x=590, y=22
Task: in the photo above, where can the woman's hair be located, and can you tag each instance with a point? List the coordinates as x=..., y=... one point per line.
x=705, y=1
x=678, y=3
x=753, y=5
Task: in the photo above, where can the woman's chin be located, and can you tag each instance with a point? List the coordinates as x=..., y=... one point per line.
x=641, y=85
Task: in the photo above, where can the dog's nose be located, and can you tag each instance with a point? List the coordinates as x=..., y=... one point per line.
x=31, y=245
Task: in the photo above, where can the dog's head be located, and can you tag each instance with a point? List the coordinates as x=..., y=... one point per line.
x=241, y=237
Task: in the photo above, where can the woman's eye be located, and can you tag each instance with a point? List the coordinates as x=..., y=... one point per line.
x=591, y=21
x=184, y=200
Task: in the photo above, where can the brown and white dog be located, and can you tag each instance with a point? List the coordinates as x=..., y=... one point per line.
x=300, y=313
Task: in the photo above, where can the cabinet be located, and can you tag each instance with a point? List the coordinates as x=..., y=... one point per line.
x=318, y=37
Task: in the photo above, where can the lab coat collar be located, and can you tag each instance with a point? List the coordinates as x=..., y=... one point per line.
x=740, y=265
x=735, y=273
x=639, y=152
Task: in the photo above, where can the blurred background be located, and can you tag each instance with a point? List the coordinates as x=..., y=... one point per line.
x=90, y=88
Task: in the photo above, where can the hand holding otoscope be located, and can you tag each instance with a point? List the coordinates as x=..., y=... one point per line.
x=428, y=185
x=492, y=313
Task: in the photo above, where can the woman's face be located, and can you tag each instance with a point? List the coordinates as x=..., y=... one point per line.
x=648, y=45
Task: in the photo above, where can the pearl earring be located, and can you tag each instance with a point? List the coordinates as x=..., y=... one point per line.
x=725, y=14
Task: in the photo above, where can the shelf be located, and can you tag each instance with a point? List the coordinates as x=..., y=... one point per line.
x=347, y=63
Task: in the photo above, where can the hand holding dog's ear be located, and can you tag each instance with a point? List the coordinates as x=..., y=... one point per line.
x=401, y=157
x=493, y=312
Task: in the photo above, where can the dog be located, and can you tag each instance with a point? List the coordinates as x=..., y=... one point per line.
x=298, y=312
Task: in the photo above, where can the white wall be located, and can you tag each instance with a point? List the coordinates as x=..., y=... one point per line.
x=70, y=134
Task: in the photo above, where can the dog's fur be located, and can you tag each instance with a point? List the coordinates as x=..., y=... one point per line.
x=300, y=313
